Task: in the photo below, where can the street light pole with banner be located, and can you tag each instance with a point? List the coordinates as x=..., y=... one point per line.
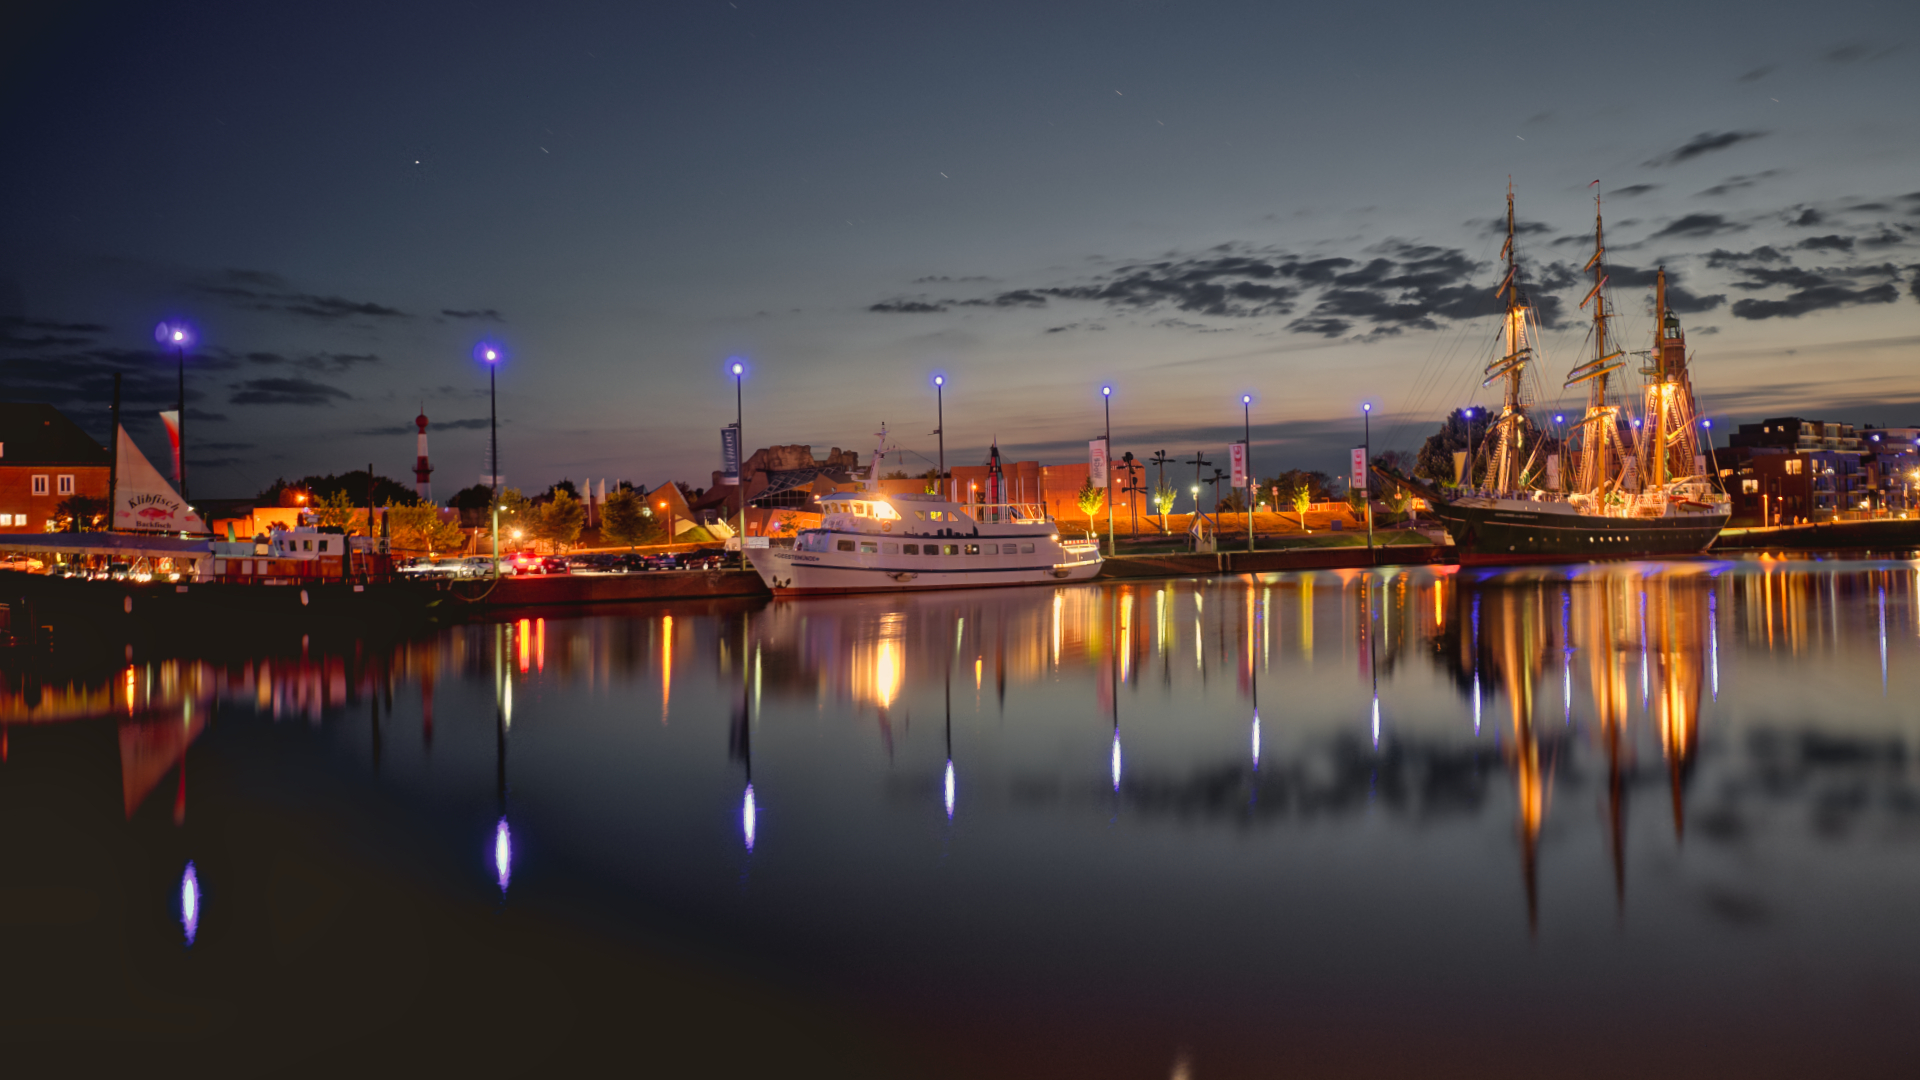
x=1097, y=466
x=1241, y=480
x=1358, y=482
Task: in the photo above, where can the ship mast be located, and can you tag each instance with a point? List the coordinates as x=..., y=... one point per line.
x=1503, y=473
x=1668, y=444
x=1600, y=429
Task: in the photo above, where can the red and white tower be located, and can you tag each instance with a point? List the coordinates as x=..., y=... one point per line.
x=422, y=485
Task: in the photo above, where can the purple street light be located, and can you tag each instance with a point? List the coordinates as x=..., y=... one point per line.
x=178, y=335
x=490, y=353
x=940, y=424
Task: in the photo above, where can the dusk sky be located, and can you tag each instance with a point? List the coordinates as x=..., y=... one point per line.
x=1191, y=200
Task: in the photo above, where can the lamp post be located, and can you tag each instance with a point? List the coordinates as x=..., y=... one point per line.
x=1246, y=460
x=489, y=354
x=1160, y=459
x=940, y=429
x=1113, y=541
x=1366, y=484
x=176, y=336
x=740, y=455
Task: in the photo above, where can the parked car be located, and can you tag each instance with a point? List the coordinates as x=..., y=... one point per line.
x=627, y=563
x=553, y=564
x=665, y=560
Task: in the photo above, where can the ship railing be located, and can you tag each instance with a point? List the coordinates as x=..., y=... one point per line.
x=1007, y=513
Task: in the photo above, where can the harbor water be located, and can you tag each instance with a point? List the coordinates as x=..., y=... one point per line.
x=1614, y=819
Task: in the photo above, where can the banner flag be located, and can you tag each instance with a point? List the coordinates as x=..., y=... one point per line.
x=1097, y=463
x=171, y=418
x=1239, y=454
x=1359, y=480
x=730, y=455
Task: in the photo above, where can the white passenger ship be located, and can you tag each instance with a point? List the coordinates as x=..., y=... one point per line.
x=870, y=541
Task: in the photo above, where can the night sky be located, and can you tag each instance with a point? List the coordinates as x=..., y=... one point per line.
x=1192, y=200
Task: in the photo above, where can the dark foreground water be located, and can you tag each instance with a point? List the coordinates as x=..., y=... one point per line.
x=1632, y=819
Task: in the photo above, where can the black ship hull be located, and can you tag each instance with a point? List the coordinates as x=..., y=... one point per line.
x=1499, y=534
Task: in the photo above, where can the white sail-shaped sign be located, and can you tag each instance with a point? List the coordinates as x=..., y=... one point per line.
x=142, y=498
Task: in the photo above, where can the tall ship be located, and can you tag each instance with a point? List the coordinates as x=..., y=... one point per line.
x=873, y=541
x=1631, y=486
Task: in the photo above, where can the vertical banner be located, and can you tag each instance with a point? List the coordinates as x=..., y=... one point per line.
x=1239, y=454
x=1359, y=480
x=1097, y=463
x=1459, y=467
x=730, y=455
x=1553, y=472
x=1699, y=464
x=171, y=418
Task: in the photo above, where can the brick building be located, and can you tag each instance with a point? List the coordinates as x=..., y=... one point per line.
x=45, y=459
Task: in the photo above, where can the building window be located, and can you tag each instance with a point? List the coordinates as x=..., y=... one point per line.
x=64, y=484
x=1793, y=466
x=6, y=519
x=40, y=485
x=1749, y=487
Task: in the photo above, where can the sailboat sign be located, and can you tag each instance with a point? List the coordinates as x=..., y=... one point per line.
x=142, y=498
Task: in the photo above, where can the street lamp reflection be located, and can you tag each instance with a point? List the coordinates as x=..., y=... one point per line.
x=503, y=853
x=190, y=902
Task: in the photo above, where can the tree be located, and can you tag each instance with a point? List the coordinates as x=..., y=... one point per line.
x=564, y=485
x=477, y=497
x=559, y=522
x=78, y=513
x=1090, y=499
x=897, y=474
x=1302, y=499
x=932, y=477
x=1164, y=495
x=353, y=485
x=625, y=519
x=332, y=511
x=789, y=523
x=418, y=527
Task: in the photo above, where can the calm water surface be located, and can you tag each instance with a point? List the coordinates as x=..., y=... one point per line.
x=1657, y=818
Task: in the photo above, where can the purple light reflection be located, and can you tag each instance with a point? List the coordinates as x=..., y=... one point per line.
x=190, y=902
x=1116, y=761
x=749, y=817
x=949, y=787
x=503, y=853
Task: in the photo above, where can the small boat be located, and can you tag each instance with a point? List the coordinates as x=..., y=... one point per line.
x=872, y=541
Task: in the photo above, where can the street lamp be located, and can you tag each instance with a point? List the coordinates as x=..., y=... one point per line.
x=1106, y=398
x=940, y=429
x=1366, y=485
x=739, y=370
x=490, y=353
x=1246, y=460
x=177, y=336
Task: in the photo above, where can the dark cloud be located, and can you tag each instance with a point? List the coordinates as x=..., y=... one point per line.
x=1827, y=243
x=1814, y=290
x=23, y=333
x=285, y=392
x=197, y=445
x=1757, y=74
x=1721, y=257
x=1679, y=297
x=470, y=423
x=1016, y=298
x=906, y=307
x=1735, y=183
x=1808, y=217
x=265, y=358
x=1498, y=227
x=1854, y=52
x=257, y=290
x=1888, y=237
x=481, y=314
x=942, y=279
x=336, y=362
x=1704, y=143
x=1699, y=225
x=1632, y=190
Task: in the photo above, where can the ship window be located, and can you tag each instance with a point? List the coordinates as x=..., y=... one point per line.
x=932, y=549
x=868, y=547
x=1026, y=549
x=921, y=514
x=306, y=545
x=993, y=549
x=953, y=549
x=934, y=514
x=846, y=545
x=889, y=549
x=323, y=545
x=859, y=509
x=973, y=549
x=911, y=549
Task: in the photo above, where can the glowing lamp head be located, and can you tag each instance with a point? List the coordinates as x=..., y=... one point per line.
x=1709, y=424
x=1366, y=406
x=1246, y=399
x=939, y=380
x=736, y=367
x=1106, y=391
x=489, y=352
x=1559, y=418
x=174, y=335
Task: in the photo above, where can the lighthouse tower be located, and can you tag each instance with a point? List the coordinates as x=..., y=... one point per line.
x=422, y=485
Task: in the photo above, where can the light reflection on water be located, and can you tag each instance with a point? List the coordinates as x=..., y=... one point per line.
x=1462, y=760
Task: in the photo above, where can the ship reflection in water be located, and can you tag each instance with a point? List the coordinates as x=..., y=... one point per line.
x=1687, y=786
